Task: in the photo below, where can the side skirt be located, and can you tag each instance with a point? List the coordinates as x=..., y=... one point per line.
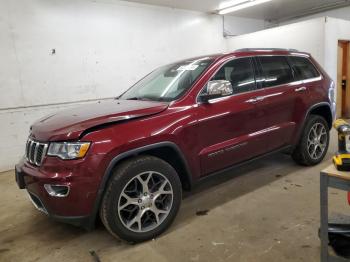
x=284, y=149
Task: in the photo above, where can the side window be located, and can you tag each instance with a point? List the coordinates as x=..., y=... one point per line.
x=303, y=68
x=240, y=73
x=276, y=70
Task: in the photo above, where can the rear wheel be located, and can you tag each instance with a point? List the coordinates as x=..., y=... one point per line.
x=141, y=199
x=313, y=144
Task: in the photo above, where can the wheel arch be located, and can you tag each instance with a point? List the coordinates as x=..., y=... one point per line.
x=167, y=151
x=323, y=109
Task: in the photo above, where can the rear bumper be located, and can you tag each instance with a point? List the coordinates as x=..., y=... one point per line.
x=77, y=207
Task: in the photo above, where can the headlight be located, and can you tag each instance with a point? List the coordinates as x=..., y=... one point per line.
x=68, y=150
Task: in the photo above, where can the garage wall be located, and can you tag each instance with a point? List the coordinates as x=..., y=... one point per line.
x=335, y=29
x=59, y=53
x=340, y=13
x=234, y=26
x=15, y=125
x=305, y=36
x=100, y=47
x=317, y=36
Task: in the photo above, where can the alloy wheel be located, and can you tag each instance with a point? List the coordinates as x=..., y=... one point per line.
x=317, y=141
x=145, y=201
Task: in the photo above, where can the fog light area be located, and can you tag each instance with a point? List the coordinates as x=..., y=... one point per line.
x=57, y=190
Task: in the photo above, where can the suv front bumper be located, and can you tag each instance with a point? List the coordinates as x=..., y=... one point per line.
x=76, y=207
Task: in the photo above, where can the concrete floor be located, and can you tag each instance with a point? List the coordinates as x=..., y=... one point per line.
x=266, y=211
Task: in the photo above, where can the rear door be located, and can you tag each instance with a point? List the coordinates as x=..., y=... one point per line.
x=309, y=89
x=227, y=129
x=281, y=102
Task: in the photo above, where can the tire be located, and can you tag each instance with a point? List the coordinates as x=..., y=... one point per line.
x=304, y=153
x=126, y=199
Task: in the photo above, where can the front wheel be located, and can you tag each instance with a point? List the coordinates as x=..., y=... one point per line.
x=141, y=199
x=313, y=144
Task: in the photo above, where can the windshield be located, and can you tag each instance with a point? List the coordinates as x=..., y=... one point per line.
x=169, y=82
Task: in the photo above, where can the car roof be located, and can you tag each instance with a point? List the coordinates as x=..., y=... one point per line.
x=270, y=51
x=249, y=52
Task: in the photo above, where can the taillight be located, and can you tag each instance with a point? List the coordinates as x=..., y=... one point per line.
x=349, y=198
x=331, y=92
x=332, y=98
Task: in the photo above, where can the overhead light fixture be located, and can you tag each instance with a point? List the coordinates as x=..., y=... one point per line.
x=231, y=3
x=238, y=5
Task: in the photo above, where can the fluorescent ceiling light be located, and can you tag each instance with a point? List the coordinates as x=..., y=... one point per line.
x=231, y=3
x=241, y=5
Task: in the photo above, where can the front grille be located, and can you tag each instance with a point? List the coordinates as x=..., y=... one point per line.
x=35, y=152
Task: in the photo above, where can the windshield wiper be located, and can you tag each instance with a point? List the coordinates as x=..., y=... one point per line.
x=143, y=98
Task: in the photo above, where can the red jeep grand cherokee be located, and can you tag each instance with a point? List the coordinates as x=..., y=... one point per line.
x=129, y=159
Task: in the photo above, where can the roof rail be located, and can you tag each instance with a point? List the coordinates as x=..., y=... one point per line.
x=266, y=49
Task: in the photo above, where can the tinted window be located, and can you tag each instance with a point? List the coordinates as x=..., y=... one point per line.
x=303, y=68
x=240, y=73
x=276, y=70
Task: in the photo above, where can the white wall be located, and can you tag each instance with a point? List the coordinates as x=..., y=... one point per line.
x=102, y=47
x=318, y=36
x=335, y=30
x=307, y=36
x=234, y=26
x=15, y=128
x=341, y=13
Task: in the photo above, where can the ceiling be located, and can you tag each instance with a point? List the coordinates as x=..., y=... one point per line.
x=274, y=10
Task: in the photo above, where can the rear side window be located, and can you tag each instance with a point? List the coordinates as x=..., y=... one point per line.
x=240, y=73
x=275, y=70
x=303, y=68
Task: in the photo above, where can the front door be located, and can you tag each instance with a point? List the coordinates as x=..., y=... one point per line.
x=228, y=130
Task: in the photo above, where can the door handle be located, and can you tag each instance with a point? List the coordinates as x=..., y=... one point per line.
x=300, y=89
x=255, y=99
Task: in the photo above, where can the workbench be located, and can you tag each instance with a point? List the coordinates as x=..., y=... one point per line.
x=330, y=177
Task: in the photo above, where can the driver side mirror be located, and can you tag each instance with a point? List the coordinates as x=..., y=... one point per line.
x=216, y=89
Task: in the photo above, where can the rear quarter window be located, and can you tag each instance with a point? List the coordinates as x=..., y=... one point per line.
x=275, y=70
x=303, y=68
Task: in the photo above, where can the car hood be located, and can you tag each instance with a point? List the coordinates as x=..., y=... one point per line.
x=69, y=124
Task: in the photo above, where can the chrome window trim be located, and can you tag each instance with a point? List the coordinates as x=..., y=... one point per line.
x=300, y=55
x=304, y=81
x=298, y=82
x=309, y=80
x=308, y=58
